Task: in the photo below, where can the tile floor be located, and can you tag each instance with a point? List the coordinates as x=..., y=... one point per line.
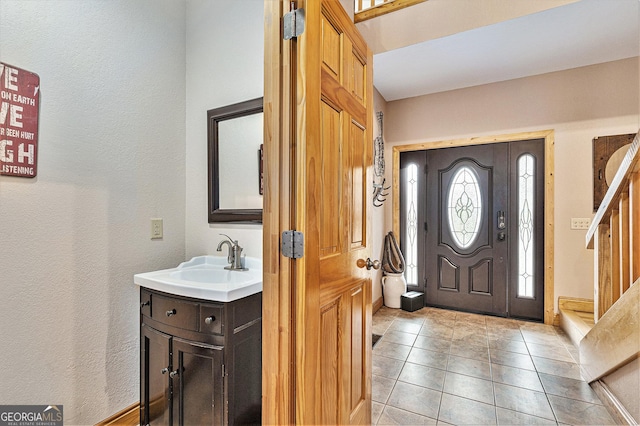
x=435, y=366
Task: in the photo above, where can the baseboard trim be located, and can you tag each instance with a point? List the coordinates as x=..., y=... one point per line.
x=614, y=406
x=377, y=304
x=129, y=416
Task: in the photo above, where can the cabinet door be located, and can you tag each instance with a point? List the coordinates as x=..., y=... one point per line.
x=198, y=384
x=155, y=365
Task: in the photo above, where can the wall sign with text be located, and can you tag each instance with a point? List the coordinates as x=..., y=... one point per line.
x=19, y=105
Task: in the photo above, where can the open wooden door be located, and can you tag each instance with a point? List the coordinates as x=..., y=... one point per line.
x=317, y=308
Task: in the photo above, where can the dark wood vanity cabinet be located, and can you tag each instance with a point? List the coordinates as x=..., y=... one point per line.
x=200, y=361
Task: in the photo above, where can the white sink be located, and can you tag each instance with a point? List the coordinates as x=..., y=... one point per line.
x=204, y=277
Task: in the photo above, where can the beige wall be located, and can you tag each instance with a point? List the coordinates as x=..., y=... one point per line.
x=377, y=217
x=577, y=104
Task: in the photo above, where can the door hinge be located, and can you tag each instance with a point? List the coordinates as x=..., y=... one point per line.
x=224, y=371
x=292, y=244
x=293, y=23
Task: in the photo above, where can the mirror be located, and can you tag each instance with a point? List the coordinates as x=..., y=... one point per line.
x=235, y=135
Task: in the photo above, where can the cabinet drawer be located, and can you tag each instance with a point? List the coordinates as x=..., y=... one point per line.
x=211, y=319
x=174, y=312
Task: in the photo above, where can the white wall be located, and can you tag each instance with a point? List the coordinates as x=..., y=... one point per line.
x=577, y=104
x=111, y=156
x=225, y=50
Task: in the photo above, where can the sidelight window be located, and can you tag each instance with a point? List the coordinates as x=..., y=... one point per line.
x=411, y=227
x=526, y=207
x=464, y=207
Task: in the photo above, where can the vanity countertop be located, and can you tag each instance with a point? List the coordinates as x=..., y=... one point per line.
x=204, y=277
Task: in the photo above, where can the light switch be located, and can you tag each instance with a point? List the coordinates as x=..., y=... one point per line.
x=156, y=228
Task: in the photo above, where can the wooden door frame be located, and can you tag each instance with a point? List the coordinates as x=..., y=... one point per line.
x=549, y=143
x=278, y=349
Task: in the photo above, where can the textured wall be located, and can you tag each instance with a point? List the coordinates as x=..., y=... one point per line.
x=578, y=104
x=111, y=156
x=225, y=50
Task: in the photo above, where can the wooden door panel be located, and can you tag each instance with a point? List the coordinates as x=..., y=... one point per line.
x=331, y=136
x=359, y=76
x=331, y=48
x=358, y=329
x=358, y=185
x=343, y=334
x=330, y=356
x=330, y=170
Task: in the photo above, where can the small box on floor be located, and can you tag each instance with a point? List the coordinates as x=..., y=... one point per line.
x=412, y=301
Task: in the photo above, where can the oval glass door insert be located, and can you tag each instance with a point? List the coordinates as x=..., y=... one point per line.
x=464, y=207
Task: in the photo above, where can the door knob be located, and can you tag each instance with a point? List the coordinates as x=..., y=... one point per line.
x=375, y=264
x=174, y=373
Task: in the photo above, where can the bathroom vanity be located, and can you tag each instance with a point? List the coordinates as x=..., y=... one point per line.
x=200, y=359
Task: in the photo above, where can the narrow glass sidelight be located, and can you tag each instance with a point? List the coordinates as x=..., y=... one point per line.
x=464, y=207
x=526, y=207
x=411, y=246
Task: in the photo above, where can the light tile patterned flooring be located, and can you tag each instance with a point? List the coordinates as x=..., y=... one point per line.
x=435, y=366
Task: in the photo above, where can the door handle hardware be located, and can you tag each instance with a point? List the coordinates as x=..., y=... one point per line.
x=375, y=264
x=165, y=370
x=174, y=373
x=502, y=236
x=501, y=220
x=209, y=320
x=171, y=312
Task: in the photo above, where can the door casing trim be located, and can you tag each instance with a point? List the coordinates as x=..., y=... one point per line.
x=549, y=148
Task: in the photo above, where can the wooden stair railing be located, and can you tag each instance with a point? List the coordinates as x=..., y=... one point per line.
x=369, y=9
x=614, y=234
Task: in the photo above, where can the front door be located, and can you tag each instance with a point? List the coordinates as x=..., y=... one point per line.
x=482, y=245
x=466, y=254
x=317, y=308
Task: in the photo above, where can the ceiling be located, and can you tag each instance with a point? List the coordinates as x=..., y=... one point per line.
x=574, y=35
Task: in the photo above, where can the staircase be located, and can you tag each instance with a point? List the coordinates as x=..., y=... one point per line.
x=609, y=342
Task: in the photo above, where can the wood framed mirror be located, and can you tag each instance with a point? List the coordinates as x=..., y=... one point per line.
x=235, y=134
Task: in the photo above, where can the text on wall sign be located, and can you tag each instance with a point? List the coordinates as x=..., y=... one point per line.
x=19, y=105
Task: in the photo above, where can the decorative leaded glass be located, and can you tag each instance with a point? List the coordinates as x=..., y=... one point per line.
x=464, y=207
x=526, y=178
x=411, y=247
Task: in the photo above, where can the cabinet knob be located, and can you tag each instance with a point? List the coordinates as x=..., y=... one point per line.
x=174, y=373
x=171, y=312
x=142, y=305
x=165, y=370
x=209, y=320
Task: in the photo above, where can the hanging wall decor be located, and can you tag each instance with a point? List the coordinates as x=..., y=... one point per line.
x=379, y=194
x=19, y=105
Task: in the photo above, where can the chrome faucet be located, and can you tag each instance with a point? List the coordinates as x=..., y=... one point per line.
x=235, y=254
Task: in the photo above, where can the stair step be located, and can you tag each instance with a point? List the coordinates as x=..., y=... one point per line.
x=576, y=317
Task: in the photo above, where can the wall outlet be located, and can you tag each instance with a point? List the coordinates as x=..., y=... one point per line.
x=156, y=228
x=580, y=222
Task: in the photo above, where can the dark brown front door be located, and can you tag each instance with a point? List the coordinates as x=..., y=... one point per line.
x=482, y=245
x=465, y=257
